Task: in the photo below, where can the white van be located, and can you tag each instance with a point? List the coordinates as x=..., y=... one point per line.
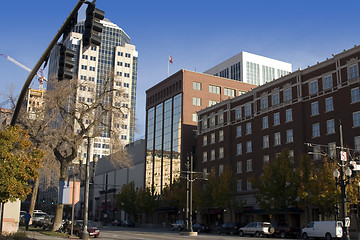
x=327, y=229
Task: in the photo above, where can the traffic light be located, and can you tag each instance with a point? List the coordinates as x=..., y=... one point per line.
x=43, y=200
x=66, y=63
x=93, y=27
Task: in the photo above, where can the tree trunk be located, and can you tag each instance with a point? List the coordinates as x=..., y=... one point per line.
x=64, y=165
x=34, y=196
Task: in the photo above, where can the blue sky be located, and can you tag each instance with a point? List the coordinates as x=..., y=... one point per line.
x=198, y=34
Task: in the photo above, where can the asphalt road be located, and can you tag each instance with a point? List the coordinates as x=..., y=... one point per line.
x=159, y=234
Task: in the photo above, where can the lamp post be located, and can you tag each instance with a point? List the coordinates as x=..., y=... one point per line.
x=340, y=178
x=95, y=160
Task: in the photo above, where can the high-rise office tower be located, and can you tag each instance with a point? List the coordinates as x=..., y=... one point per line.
x=251, y=68
x=115, y=58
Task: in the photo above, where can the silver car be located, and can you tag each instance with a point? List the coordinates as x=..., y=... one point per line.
x=257, y=229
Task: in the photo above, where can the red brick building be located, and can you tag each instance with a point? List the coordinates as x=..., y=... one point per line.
x=305, y=106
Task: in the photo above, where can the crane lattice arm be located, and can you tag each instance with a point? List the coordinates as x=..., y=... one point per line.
x=41, y=78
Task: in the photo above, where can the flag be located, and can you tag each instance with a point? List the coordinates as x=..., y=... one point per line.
x=170, y=59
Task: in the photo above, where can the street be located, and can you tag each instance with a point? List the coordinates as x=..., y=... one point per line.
x=157, y=233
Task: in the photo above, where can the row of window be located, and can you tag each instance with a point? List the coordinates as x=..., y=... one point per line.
x=128, y=55
x=120, y=74
x=91, y=68
x=216, y=89
x=92, y=58
x=90, y=79
x=104, y=145
x=125, y=64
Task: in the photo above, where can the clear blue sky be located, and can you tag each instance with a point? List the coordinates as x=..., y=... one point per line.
x=198, y=34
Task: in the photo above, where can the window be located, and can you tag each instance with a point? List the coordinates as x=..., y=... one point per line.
x=332, y=149
x=220, y=118
x=266, y=159
x=248, y=146
x=204, y=156
x=248, y=185
x=248, y=128
x=316, y=151
x=289, y=136
x=355, y=95
x=204, y=173
x=357, y=143
x=196, y=86
x=313, y=87
x=266, y=141
x=316, y=130
x=238, y=113
x=214, y=89
x=264, y=103
x=212, y=140
x=212, y=121
x=275, y=99
x=265, y=122
x=194, y=117
x=277, y=139
x=330, y=126
x=212, y=157
x=204, y=123
x=239, y=149
x=288, y=115
x=353, y=71
x=314, y=108
x=327, y=82
x=221, y=169
x=329, y=106
x=276, y=119
x=249, y=165
x=356, y=119
x=221, y=135
x=238, y=185
x=248, y=110
x=239, y=167
x=229, y=92
x=211, y=102
x=221, y=152
x=287, y=95
x=238, y=131
x=205, y=140
x=196, y=101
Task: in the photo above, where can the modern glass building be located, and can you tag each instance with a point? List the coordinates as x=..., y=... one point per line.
x=171, y=121
x=251, y=68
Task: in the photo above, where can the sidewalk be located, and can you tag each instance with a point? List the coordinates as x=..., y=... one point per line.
x=40, y=236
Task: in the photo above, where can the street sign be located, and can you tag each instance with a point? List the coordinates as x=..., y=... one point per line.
x=347, y=222
x=343, y=156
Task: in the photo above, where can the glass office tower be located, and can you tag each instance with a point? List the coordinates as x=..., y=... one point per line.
x=163, y=143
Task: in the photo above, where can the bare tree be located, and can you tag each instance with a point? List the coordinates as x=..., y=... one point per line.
x=77, y=117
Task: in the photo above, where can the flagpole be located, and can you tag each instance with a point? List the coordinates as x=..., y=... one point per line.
x=168, y=66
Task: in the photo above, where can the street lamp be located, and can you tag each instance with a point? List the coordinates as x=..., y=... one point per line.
x=340, y=179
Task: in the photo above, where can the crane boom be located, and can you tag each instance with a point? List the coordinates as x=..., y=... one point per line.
x=41, y=78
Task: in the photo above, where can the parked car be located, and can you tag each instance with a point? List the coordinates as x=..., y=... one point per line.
x=257, y=229
x=91, y=228
x=128, y=223
x=116, y=222
x=283, y=230
x=47, y=222
x=178, y=225
x=37, y=217
x=327, y=229
x=199, y=227
x=228, y=228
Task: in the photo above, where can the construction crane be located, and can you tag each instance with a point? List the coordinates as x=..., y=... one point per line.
x=41, y=78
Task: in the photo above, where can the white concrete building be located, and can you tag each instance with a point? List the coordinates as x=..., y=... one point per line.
x=251, y=68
